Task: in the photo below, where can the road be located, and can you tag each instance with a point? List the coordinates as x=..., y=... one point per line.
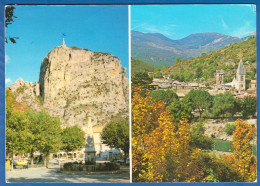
x=44, y=175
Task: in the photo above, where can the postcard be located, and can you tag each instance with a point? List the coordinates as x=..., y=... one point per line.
x=129, y=92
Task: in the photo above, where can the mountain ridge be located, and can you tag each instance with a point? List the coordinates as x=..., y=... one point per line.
x=159, y=50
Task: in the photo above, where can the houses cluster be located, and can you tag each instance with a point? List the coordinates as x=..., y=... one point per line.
x=240, y=87
x=167, y=82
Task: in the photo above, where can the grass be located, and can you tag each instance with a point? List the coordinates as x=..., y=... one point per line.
x=221, y=145
x=225, y=146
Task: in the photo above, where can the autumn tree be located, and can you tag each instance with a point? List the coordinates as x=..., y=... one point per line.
x=145, y=114
x=9, y=104
x=161, y=150
x=245, y=160
x=116, y=135
x=168, y=151
x=218, y=169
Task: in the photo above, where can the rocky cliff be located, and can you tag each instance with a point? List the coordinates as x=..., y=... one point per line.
x=77, y=83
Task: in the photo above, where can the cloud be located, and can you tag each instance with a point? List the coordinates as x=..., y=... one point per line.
x=149, y=27
x=224, y=25
x=244, y=30
x=7, y=58
x=167, y=30
x=8, y=81
x=138, y=26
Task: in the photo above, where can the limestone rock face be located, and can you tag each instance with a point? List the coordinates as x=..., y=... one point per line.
x=78, y=83
x=27, y=92
x=75, y=84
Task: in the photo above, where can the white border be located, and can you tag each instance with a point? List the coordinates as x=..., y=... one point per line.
x=130, y=100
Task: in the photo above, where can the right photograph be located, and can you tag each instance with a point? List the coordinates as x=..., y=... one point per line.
x=194, y=93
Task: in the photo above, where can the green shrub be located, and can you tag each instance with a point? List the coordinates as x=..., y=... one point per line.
x=21, y=89
x=40, y=99
x=230, y=128
x=68, y=166
x=112, y=166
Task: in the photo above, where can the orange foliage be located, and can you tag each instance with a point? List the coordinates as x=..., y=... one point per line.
x=244, y=158
x=145, y=115
x=22, y=106
x=161, y=150
x=15, y=106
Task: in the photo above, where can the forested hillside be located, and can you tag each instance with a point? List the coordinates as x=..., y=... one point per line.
x=141, y=66
x=203, y=68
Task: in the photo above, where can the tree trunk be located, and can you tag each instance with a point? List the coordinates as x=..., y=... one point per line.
x=12, y=162
x=45, y=164
x=32, y=158
x=58, y=156
x=47, y=158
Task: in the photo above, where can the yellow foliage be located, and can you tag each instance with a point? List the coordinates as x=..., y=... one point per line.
x=244, y=159
x=161, y=149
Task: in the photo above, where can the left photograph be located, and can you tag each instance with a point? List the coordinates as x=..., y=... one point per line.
x=67, y=94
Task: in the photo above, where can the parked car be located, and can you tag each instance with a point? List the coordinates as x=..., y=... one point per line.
x=20, y=163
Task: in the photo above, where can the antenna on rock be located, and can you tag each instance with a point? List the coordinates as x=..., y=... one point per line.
x=63, y=42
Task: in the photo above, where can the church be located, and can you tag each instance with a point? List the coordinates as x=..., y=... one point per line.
x=239, y=82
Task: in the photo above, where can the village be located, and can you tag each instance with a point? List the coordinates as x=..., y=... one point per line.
x=239, y=87
x=215, y=126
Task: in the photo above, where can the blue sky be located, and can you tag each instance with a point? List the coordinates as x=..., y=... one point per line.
x=105, y=29
x=179, y=21
x=41, y=28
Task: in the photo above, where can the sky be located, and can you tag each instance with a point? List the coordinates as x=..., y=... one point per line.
x=42, y=28
x=105, y=29
x=179, y=21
